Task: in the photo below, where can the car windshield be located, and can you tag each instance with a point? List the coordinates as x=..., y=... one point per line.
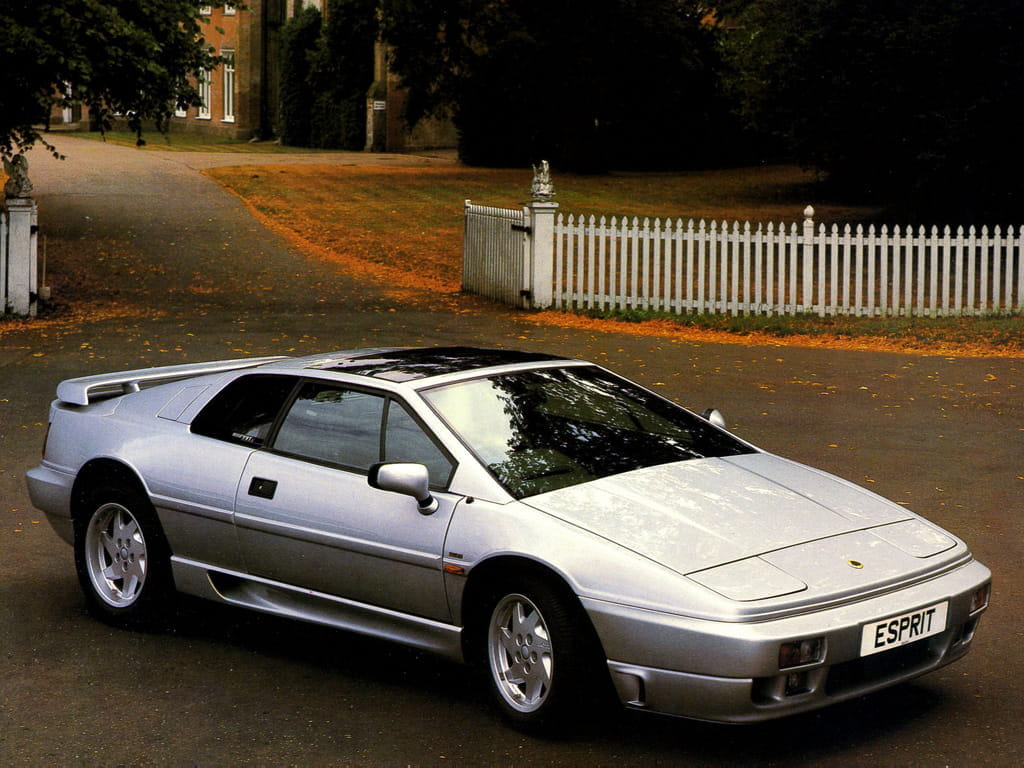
x=546, y=429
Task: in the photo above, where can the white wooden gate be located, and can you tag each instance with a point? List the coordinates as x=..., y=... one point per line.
x=494, y=260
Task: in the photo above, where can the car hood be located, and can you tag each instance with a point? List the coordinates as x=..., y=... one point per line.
x=749, y=526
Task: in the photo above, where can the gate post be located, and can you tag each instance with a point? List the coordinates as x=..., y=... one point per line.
x=22, y=268
x=542, y=210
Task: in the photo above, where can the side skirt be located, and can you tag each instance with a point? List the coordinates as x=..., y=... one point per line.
x=223, y=586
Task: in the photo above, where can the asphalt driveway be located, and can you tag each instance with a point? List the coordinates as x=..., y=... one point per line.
x=159, y=265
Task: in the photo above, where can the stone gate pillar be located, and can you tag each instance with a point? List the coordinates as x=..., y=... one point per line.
x=377, y=103
x=21, y=271
x=22, y=265
x=543, y=209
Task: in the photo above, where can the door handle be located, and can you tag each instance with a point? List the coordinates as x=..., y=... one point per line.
x=263, y=488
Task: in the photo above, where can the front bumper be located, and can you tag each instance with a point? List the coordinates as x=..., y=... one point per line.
x=729, y=671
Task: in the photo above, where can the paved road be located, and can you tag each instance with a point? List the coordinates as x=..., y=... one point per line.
x=170, y=268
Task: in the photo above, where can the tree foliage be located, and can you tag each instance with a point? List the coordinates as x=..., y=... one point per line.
x=914, y=102
x=136, y=58
x=583, y=83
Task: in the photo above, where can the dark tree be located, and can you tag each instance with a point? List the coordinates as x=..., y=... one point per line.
x=326, y=71
x=343, y=73
x=583, y=83
x=136, y=58
x=299, y=40
x=911, y=103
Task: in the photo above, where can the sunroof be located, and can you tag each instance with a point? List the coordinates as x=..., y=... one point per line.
x=421, y=363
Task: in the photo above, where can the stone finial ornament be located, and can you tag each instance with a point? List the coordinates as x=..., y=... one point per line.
x=18, y=184
x=542, y=190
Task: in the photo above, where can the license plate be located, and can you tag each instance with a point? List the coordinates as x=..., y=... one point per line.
x=906, y=628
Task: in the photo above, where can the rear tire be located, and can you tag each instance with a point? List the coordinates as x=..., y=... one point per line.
x=122, y=558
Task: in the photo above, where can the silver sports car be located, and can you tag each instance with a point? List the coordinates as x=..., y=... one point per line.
x=566, y=530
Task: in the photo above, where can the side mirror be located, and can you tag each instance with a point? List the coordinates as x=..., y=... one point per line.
x=406, y=479
x=714, y=416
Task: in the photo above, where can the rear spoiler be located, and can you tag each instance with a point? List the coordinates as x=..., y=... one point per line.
x=86, y=389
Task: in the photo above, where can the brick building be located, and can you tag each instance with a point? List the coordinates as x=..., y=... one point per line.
x=240, y=96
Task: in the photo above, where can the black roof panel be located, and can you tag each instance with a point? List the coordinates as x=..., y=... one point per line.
x=422, y=363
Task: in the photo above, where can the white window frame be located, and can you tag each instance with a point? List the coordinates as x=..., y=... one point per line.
x=205, y=88
x=228, y=80
x=229, y=10
x=205, y=10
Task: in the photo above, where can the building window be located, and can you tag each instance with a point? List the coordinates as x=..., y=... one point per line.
x=205, y=10
x=204, y=94
x=180, y=112
x=229, y=10
x=229, y=85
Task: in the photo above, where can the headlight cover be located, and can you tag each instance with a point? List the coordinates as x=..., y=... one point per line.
x=750, y=579
x=915, y=537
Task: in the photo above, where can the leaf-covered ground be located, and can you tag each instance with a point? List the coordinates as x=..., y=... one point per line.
x=402, y=228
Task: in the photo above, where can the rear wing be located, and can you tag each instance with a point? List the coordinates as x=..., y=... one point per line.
x=87, y=389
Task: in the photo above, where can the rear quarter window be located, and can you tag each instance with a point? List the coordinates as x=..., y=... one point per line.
x=244, y=411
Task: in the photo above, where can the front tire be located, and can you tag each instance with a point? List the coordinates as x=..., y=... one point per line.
x=539, y=655
x=122, y=558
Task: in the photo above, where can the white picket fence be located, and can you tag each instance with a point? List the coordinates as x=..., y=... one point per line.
x=681, y=267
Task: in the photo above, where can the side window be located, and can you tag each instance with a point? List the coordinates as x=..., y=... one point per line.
x=405, y=440
x=245, y=410
x=335, y=425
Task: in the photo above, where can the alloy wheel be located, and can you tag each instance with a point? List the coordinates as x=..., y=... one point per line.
x=520, y=653
x=115, y=555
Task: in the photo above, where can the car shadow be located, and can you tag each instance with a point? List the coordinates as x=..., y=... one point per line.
x=331, y=650
x=364, y=661
x=809, y=738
